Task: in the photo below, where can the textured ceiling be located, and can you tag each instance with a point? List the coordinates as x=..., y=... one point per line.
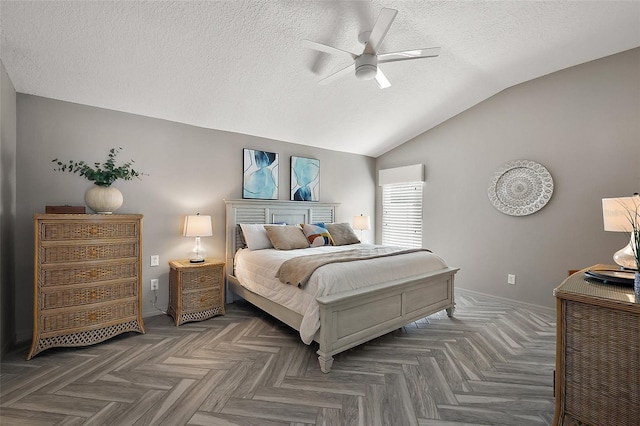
x=240, y=66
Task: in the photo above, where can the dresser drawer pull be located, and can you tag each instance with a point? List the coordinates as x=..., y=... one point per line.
x=93, y=274
x=203, y=299
x=93, y=253
x=93, y=295
x=93, y=231
x=203, y=279
x=93, y=317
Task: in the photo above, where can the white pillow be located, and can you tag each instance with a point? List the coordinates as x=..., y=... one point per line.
x=255, y=236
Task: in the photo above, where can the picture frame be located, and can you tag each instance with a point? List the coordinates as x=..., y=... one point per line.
x=305, y=179
x=260, y=174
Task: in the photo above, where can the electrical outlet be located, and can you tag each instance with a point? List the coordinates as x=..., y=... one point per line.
x=511, y=279
x=154, y=284
x=155, y=260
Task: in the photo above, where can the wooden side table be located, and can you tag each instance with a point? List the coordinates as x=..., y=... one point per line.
x=597, y=379
x=196, y=290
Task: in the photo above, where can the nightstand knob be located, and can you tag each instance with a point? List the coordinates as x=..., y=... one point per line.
x=93, y=253
x=202, y=279
x=93, y=317
x=93, y=274
x=202, y=299
x=93, y=231
x=93, y=295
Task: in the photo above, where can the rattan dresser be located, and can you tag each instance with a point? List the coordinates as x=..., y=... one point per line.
x=597, y=378
x=87, y=270
x=196, y=290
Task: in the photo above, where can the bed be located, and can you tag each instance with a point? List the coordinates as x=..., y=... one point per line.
x=344, y=319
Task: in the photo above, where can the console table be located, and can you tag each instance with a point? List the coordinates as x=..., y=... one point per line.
x=597, y=378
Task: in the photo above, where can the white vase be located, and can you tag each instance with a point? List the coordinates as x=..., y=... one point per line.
x=103, y=199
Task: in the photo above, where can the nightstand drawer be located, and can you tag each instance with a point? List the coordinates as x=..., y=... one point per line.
x=83, y=253
x=65, y=230
x=69, y=297
x=201, y=300
x=53, y=276
x=78, y=319
x=195, y=280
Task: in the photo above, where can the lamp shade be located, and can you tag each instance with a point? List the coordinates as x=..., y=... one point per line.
x=361, y=222
x=618, y=213
x=197, y=225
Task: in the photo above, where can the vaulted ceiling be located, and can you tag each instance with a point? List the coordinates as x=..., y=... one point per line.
x=240, y=66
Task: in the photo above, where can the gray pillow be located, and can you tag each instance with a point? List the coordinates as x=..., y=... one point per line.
x=342, y=234
x=287, y=237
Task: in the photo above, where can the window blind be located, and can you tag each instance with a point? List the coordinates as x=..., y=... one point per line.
x=402, y=214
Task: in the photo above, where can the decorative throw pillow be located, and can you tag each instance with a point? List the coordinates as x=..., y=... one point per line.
x=255, y=236
x=342, y=234
x=287, y=237
x=317, y=234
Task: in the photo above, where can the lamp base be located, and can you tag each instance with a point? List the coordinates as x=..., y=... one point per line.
x=625, y=258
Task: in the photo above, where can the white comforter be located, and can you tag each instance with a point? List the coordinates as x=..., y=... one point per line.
x=256, y=270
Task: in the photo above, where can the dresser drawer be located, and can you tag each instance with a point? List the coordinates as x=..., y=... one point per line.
x=201, y=300
x=65, y=230
x=194, y=280
x=60, y=253
x=53, y=276
x=76, y=319
x=69, y=297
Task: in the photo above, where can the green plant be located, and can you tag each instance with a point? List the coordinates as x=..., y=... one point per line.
x=101, y=174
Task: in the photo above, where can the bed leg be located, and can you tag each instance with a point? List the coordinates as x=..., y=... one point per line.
x=325, y=363
x=450, y=311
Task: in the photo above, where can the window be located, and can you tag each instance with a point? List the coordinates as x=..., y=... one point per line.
x=402, y=214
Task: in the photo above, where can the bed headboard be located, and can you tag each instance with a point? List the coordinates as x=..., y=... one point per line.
x=271, y=211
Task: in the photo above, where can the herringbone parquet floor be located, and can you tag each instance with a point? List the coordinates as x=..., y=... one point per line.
x=492, y=364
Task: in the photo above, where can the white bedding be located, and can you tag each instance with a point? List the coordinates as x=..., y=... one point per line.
x=256, y=270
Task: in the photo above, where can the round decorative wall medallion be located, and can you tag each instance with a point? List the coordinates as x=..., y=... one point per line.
x=520, y=187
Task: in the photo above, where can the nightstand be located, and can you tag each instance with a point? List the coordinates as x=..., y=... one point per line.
x=196, y=290
x=597, y=379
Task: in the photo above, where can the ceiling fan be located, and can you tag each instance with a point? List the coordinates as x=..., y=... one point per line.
x=366, y=64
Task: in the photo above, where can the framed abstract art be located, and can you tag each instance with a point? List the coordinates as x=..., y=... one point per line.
x=305, y=179
x=260, y=175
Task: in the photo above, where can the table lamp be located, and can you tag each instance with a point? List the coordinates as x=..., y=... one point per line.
x=197, y=226
x=623, y=215
x=361, y=222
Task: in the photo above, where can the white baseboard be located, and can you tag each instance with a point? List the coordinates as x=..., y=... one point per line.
x=515, y=303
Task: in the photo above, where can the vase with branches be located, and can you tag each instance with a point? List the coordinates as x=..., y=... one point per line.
x=632, y=207
x=102, y=197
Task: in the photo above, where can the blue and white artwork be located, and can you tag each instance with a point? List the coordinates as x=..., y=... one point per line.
x=305, y=179
x=260, y=175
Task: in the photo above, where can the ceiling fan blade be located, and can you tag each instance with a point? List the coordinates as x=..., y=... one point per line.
x=382, y=80
x=336, y=75
x=408, y=54
x=328, y=49
x=379, y=31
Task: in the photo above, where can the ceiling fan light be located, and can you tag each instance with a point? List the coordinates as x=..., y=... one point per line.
x=366, y=72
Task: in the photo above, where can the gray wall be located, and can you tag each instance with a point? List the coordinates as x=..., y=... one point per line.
x=7, y=206
x=583, y=125
x=190, y=170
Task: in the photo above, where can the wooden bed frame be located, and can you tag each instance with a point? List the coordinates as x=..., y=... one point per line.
x=346, y=319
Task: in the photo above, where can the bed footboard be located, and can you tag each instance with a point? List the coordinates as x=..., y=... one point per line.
x=351, y=318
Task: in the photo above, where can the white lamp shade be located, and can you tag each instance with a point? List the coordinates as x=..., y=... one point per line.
x=361, y=222
x=197, y=226
x=618, y=213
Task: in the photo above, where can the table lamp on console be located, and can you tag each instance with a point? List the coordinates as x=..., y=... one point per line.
x=623, y=215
